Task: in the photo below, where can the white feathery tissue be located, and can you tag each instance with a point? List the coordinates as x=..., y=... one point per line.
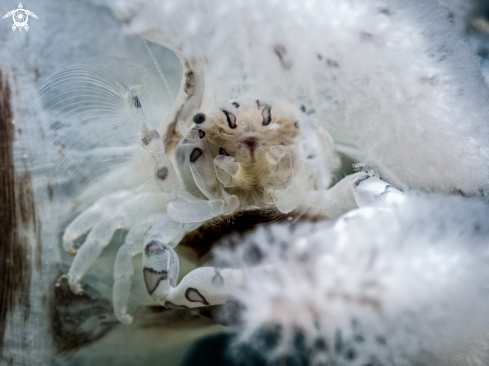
x=391, y=80
x=401, y=284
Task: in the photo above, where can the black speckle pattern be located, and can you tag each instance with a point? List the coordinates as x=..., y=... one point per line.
x=193, y=295
x=222, y=151
x=195, y=154
x=201, y=134
x=199, y=118
x=231, y=118
x=162, y=173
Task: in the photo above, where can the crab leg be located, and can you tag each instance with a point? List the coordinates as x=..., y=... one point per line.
x=90, y=217
x=124, y=217
x=354, y=191
x=124, y=269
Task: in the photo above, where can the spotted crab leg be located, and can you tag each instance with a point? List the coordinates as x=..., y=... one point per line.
x=124, y=269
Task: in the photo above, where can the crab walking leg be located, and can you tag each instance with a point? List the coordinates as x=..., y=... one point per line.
x=90, y=217
x=353, y=191
x=99, y=237
x=124, y=269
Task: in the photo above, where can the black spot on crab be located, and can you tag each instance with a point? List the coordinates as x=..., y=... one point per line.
x=265, y=112
x=137, y=102
x=193, y=295
x=267, y=115
x=235, y=104
x=199, y=118
x=222, y=151
x=195, y=154
x=153, y=278
x=201, y=134
x=162, y=173
x=231, y=119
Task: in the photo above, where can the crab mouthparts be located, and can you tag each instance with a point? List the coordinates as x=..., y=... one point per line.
x=251, y=143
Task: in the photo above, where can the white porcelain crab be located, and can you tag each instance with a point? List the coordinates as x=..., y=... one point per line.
x=205, y=164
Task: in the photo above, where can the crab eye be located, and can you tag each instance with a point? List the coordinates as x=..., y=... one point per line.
x=231, y=118
x=201, y=134
x=199, y=118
